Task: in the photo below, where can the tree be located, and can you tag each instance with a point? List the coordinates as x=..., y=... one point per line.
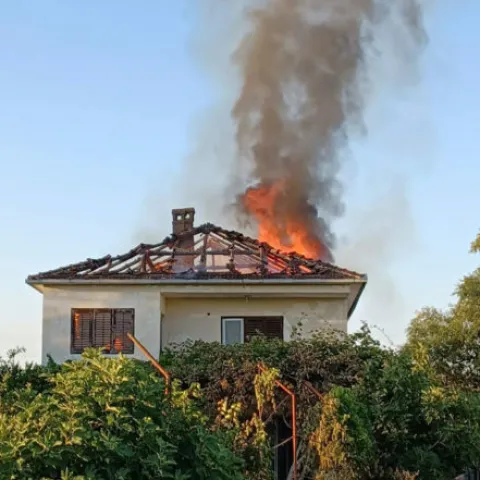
x=447, y=343
x=418, y=425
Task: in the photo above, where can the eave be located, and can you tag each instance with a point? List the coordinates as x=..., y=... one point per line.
x=245, y=282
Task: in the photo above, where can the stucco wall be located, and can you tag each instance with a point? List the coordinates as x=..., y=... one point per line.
x=58, y=302
x=175, y=314
x=200, y=318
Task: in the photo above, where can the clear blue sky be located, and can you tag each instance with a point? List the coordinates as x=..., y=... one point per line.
x=97, y=101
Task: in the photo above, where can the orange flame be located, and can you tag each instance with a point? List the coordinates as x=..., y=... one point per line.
x=76, y=325
x=118, y=344
x=284, y=231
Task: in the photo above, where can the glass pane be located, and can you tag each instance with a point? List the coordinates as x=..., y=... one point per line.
x=232, y=332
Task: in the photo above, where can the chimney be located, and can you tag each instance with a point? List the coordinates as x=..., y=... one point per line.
x=182, y=221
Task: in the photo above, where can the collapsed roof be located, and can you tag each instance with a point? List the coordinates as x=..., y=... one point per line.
x=199, y=253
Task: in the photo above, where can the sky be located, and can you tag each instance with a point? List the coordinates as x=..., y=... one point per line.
x=104, y=104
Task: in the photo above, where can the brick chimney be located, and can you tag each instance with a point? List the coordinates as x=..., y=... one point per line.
x=183, y=221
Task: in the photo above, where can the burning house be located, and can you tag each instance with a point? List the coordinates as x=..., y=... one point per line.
x=305, y=83
x=201, y=282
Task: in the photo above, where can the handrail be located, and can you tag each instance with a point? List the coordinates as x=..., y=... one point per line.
x=154, y=362
x=313, y=389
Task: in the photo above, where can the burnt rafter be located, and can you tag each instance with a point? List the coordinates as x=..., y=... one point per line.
x=214, y=253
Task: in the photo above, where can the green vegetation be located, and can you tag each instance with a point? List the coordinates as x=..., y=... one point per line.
x=102, y=418
x=447, y=342
x=381, y=416
x=411, y=413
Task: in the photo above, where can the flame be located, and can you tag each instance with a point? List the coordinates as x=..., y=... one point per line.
x=282, y=230
x=76, y=327
x=118, y=344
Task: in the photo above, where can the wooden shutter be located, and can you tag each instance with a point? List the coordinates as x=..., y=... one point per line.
x=102, y=330
x=82, y=330
x=252, y=327
x=270, y=327
x=274, y=327
x=123, y=323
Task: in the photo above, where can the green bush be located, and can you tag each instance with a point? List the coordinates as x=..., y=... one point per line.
x=326, y=360
x=15, y=377
x=417, y=424
x=381, y=416
x=107, y=419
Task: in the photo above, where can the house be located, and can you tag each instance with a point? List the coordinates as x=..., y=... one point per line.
x=200, y=283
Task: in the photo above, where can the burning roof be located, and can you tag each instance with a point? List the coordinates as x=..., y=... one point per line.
x=200, y=253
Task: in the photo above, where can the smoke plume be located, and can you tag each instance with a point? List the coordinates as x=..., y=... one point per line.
x=304, y=86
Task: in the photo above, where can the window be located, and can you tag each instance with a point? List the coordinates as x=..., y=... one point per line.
x=102, y=328
x=240, y=330
x=232, y=331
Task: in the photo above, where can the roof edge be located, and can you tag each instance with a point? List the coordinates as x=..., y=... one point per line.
x=179, y=281
x=353, y=306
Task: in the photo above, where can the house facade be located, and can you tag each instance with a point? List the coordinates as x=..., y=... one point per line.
x=200, y=283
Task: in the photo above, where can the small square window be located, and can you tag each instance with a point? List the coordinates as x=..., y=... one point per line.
x=232, y=331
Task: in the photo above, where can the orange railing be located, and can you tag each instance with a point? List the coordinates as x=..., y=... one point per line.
x=154, y=362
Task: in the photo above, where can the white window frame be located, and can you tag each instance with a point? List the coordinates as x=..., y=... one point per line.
x=225, y=320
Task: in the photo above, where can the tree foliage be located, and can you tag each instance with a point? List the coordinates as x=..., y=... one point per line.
x=327, y=359
x=448, y=342
x=108, y=419
x=380, y=416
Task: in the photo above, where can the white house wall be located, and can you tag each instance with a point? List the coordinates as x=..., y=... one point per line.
x=58, y=302
x=200, y=318
x=177, y=313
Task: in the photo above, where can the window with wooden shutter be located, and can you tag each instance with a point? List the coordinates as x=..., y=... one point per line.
x=123, y=323
x=249, y=327
x=269, y=327
x=102, y=328
x=82, y=325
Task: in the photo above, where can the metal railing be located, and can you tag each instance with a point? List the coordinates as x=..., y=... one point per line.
x=154, y=362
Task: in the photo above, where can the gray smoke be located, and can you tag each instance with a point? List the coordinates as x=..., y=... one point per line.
x=304, y=85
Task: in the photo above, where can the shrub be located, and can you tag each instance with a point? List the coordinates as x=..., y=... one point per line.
x=104, y=418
